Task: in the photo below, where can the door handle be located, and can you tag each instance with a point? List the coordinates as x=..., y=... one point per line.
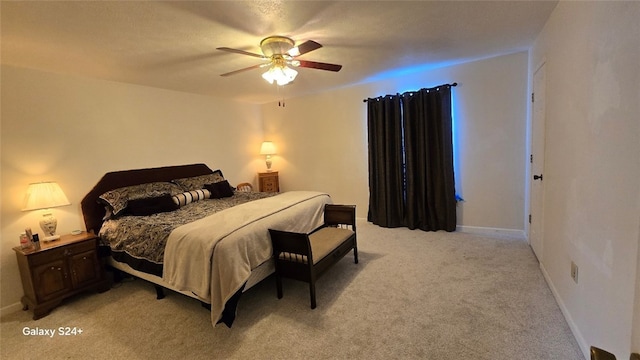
x=537, y=177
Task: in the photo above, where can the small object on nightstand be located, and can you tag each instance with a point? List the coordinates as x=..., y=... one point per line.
x=24, y=241
x=76, y=232
x=268, y=182
x=36, y=241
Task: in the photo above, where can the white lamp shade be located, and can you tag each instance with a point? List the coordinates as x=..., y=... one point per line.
x=44, y=195
x=267, y=148
x=282, y=75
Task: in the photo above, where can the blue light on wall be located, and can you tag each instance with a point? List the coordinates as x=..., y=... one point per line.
x=407, y=71
x=455, y=132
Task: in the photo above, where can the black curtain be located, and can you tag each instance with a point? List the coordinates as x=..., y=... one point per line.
x=386, y=202
x=411, y=179
x=431, y=197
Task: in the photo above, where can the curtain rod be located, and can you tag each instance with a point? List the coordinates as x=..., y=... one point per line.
x=452, y=85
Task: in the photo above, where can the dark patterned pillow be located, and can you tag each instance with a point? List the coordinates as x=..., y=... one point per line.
x=198, y=182
x=219, y=189
x=118, y=199
x=187, y=197
x=150, y=206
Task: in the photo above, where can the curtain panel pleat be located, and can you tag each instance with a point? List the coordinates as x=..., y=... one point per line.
x=386, y=203
x=411, y=160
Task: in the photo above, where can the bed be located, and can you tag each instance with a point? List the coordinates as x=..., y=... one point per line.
x=184, y=228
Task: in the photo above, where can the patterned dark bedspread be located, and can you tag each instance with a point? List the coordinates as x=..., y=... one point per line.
x=140, y=240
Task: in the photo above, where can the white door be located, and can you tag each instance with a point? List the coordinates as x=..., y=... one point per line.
x=537, y=163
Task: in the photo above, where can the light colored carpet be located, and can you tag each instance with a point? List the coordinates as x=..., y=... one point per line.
x=414, y=295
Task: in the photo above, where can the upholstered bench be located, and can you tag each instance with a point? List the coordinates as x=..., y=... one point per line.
x=305, y=257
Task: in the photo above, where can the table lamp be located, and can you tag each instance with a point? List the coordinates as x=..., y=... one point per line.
x=45, y=195
x=268, y=149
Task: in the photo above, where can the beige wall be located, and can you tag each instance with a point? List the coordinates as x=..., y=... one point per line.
x=73, y=130
x=592, y=192
x=322, y=139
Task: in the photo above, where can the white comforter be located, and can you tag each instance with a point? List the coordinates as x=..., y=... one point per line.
x=213, y=257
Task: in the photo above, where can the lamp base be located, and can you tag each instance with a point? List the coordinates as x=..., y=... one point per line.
x=268, y=162
x=51, y=238
x=48, y=224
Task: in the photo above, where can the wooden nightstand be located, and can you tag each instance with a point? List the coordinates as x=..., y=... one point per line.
x=60, y=269
x=268, y=182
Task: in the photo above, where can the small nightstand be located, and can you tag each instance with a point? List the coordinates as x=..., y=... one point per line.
x=268, y=182
x=60, y=269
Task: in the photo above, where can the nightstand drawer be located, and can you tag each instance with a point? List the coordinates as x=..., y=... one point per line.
x=268, y=182
x=61, y=252
x=269, y=186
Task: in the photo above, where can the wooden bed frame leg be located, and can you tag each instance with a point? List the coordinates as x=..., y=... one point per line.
x=117, y=274
x=159, y=292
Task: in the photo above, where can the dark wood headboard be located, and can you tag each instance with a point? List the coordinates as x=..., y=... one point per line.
x=93, y=212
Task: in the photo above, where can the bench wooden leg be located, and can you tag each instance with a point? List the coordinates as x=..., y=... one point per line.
x=355, y=254
x=279, y=286
x=312, y=292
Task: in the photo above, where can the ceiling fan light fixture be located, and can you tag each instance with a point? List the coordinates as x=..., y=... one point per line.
x=295, y=51
x=282, y=75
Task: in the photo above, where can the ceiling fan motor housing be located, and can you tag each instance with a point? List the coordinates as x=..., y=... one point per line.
x=276, y=45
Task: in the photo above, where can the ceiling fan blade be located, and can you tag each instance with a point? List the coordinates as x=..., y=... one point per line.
x=305, y=47
x=319, y=65
x=241, y=52
x=245, y=69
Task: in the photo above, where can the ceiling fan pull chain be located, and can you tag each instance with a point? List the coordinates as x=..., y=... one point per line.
x=280, y=102
x=278, y=94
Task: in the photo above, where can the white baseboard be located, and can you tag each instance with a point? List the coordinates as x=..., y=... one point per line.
x=503, y=233
x=572, y=325
x=10, y=309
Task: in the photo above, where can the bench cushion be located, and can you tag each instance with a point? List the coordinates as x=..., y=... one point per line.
x=327, y=239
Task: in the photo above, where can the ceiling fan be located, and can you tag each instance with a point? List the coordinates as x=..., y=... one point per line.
x=280, y=52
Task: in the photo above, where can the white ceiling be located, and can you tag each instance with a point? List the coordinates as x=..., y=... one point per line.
x=172, y=45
